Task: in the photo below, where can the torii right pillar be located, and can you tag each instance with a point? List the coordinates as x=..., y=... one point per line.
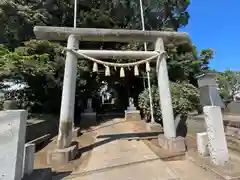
x=168, y=141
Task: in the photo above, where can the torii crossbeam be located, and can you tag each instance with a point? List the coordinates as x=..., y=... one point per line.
x=74, y=35
x=110, y=35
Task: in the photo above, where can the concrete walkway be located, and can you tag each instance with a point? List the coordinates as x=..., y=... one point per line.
x=115, y=157
x=108, y=154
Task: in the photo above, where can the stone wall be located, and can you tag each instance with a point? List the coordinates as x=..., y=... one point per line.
x=233, y=108
x=231, y=127
x=232, y=130
x=40, y=126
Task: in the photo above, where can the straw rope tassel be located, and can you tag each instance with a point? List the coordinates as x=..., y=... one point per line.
x=148, y=68
x=95, y=67
x=136, y=72
x=122, y=73
x=107, y=71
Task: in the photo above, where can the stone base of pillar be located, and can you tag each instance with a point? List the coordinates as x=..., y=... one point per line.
x=132, y=115
x=153, y=127
x=88, y=119
x=76, y=132
x=172, y=144
x=62, y=156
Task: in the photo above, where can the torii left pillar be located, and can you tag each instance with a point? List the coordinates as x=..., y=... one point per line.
x=66, y=151
x=169, y=140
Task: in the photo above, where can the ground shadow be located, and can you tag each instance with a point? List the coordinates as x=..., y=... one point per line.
x=90, y=130
x=129, y=135
x=112, y=137
x=42, y=145
x=39, y=174
x=108, y=116
x=60, y=175
x=182, y=129
x=100, y=119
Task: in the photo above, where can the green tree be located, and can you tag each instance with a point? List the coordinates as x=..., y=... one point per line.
x=19, y=16
x=40, y=64
x=185, y=98
x=229, y=85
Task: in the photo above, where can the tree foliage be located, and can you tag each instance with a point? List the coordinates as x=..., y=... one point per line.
x=40, y=64
x=229, y=85
x=185, y=98
x=19, y=16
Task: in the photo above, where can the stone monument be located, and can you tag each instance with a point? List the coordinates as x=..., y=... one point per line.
x=215, y=130
x=132, y=113
x=131, y=106
x=88, y=116
x=12, y=140
x=209, y=95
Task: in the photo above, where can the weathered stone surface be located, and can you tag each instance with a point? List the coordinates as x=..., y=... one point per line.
x=172, y=144
x=68, y=96
x=202, y=143
x=217, y=141
x=119, y=35
x=132, y=115
x=62, y=156
x=12, y=140
x=164, y=93
x=28, y=159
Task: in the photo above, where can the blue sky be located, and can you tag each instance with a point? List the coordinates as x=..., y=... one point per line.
x=216, y=24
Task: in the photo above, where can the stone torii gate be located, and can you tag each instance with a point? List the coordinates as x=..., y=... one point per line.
x=65, y=150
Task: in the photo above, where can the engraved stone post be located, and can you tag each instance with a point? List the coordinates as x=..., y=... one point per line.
x=12, y=140
x=217, y=141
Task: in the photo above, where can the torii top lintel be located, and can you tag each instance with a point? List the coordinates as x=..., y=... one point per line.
x=109, y=35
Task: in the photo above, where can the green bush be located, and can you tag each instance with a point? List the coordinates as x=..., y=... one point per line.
x=1, y=104
x=185, y=99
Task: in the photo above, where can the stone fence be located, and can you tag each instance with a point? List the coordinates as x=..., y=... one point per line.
x=37, y=127
x=231, y=127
